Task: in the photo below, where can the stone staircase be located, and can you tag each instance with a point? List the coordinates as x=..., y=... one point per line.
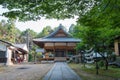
x=60, y=59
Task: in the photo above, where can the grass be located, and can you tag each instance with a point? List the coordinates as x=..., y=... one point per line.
x=89, y=73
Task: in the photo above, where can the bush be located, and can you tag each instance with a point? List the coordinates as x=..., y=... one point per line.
x=101, y=63
x=30, y=57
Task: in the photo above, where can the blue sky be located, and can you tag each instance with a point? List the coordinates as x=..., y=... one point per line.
x=37, y=26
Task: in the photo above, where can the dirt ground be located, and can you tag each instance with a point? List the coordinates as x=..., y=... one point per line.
x=24, y=71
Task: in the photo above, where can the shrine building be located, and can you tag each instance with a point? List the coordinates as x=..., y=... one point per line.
x=58, y=45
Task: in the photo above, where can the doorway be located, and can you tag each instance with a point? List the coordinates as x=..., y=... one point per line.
x=59, y=53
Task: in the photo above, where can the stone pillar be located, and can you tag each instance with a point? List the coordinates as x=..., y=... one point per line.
x=116, y=47
x=8, y=56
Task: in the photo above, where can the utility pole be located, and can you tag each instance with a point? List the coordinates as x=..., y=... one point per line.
x=27, y=41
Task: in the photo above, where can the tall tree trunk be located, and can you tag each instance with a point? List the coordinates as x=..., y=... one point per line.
x=106, y=61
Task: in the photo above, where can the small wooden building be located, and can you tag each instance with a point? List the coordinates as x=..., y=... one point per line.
x=12, y=53
x=3, y=58
x=22, y=51
x=59, y=44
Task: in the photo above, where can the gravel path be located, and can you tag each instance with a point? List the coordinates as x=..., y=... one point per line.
x=25, y=72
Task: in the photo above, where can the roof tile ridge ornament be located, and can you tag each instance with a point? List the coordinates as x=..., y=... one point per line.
x=60, y=26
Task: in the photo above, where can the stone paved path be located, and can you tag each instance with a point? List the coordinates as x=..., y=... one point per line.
x=61, y=71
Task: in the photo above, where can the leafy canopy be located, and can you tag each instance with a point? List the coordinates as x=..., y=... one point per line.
x=8, y=31
x=35, y=9
x=100, y=25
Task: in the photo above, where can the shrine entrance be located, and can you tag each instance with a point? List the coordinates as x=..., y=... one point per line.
x=59, y=53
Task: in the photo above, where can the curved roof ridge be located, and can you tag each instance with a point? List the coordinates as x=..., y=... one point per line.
x=60, y=27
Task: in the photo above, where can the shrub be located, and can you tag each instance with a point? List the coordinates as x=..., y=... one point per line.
x=101, y=63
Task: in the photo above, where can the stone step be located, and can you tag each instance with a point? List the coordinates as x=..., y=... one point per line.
x=60, y=59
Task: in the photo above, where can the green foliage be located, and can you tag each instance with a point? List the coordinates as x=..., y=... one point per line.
x=87, y=35
x=98, y=20
x=89, y=73
x=33, y=54
x=30, y=32
x=100, y=38
x=35, y=9
x=101, y=63
x=99, y=26
x=71, y=29
x=8, y=31
x=104, y=10
x=39, y=55
x=47, y=30
x=27, y=33
x=30, y=57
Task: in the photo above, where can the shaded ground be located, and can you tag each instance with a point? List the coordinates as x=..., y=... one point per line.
x=61, y=71
x=89, y=74
x=24, y=71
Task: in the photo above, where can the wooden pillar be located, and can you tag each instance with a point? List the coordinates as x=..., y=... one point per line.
x=54, y=49
x=116, y=47
x=66, y=49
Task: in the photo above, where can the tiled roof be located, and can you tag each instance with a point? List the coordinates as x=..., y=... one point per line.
x=57, y=40
x=22, y=46
x=50, y=37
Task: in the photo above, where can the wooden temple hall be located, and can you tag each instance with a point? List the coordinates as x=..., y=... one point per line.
x=59, y=45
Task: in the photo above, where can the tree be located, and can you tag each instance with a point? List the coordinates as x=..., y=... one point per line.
x=71, y=28
x=8, y=31
x=103, y=20
x=28, y=32
x=35, y=9
x=47, y=30
x=101, y=26
x=101, y=39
